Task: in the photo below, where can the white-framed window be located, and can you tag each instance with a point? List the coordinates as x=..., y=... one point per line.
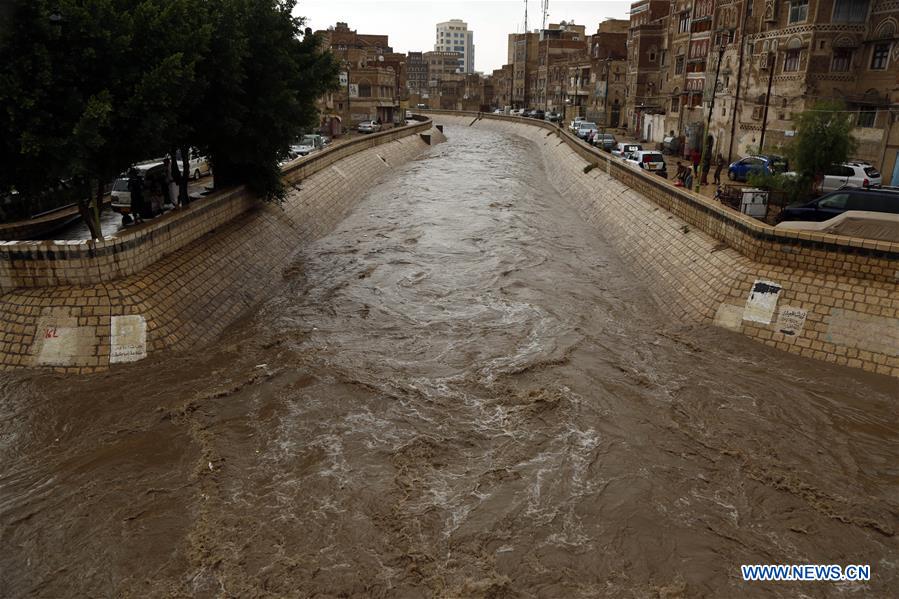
x=842, y=60
x=798, y=11
x=880, y=56
x=791, y=61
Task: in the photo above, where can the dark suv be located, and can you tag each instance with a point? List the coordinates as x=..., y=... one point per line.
x=838, y=202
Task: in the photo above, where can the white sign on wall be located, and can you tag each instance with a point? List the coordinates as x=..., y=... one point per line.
x=62, y=345
x=354, y=90
x=791, y=320
x=343, y=78
x=128, y=339
x=762, y=301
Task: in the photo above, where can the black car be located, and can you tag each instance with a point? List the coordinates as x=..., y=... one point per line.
x=837, y=202
x=538, y=114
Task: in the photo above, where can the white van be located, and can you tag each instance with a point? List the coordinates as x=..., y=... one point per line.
x=153, y=174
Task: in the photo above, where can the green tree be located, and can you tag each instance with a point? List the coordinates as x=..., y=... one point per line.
x=823, y=138
x=89, y=87
x=264, y=89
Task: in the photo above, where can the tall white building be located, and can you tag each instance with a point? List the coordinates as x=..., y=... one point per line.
x=454, y=36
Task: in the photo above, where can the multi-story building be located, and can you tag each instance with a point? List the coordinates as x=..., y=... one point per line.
x=441, y=64
x=454, y=36
x=747, y=67
x=416, y=74
x=369, y=77
x=558, y=43
x=524, y=61
x=804, y=51
x=647, y=37
x=501, y=83
x=608, y=57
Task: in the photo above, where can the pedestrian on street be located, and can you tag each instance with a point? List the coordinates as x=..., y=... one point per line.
x=719, y=164
x=688, y=179
x=171, y=188
x=695, y=162
x=681, y=172
x=136, y=188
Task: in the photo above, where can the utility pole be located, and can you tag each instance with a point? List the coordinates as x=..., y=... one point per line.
x=605, y=99
x=703, y=174
x=771, y=66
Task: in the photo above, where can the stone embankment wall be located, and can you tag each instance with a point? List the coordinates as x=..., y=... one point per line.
x=827, y=297
x=179, y=281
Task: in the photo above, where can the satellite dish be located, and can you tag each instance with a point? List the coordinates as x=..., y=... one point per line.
x=380, y=58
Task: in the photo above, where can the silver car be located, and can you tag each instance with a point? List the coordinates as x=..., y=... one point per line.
x=368, y=127
x=584, y=128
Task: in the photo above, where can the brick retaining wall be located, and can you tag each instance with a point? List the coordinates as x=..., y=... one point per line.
x=825, y=253
x=84, y=262
x=181, y=281
x=836, y=298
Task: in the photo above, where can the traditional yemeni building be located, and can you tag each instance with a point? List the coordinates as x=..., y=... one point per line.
x=369, y=77
x=500, y=82
x=608, y=57
x=558, y=43
x=523, y=50
x=416, y=76
x=646, y=41
x=812, y=50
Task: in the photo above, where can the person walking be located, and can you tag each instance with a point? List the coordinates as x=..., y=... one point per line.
x=171, y=188
x=681, y=173
x=719, y=164
x=136, y=188
x=688, y=179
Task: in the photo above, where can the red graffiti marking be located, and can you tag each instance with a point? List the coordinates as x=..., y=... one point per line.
x=51, y=333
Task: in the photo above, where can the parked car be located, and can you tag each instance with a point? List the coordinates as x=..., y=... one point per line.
x=369, y=127
x=553, y=117
x=623, y=149
x=758, y=164
x=648, y=160
x=837, y=202
x=198, y=164
x=572, y=126
x=307, y=145
x=538, y=114
x=498, y=111
x=850, y=174
x=153, y=176
x=409, y=115
x=584, y=128
x=517, y=111
x=605, y=141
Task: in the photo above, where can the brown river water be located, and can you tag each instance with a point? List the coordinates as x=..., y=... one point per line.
x=460, y=392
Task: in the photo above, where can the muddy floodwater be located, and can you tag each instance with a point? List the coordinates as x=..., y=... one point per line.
x=460, y=392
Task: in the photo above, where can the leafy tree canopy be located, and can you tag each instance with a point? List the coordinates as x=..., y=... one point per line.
x=822, y=138
x=89, y=87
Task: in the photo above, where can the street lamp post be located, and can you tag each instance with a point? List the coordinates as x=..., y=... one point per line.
x=705, y=144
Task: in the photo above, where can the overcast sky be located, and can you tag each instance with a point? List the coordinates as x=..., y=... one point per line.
x=410, y=23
